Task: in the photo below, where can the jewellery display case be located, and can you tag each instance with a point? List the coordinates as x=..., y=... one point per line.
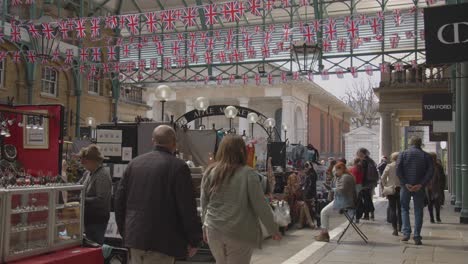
x=40, y=219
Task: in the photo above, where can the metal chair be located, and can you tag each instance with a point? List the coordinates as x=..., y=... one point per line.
x=349, y=217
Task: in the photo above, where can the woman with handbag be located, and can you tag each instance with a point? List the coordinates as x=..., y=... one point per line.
x=233, y=205
x=391, y=189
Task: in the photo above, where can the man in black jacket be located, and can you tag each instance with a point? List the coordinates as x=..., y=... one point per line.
x=155, y=205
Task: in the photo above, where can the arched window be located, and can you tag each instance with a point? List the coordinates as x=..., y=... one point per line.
x=49, y=81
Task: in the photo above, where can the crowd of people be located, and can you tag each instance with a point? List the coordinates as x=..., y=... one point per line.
x=156, y=211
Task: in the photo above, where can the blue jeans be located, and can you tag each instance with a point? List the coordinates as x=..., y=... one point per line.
x=418, y=203
x=96, y=232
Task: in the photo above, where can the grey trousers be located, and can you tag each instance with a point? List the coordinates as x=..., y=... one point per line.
x=149, y=257
x=226, y=250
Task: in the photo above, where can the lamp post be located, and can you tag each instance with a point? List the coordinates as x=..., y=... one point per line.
x=201, y=104
x=252, y=118
x=285, y=129
x=270, y=123
x=163, y=93
x=306, y=55
x=91, y=122
x=230, y=112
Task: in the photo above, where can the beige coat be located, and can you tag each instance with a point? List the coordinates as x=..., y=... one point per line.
x=389, y=177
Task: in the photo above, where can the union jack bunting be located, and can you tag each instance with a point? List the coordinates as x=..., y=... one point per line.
x=180, y=36
x=31, y=56
x=160, y=48
x=133, y=24
x=168, y=20
x=84, y=54
x=231, y=11
x=189, y=18
x=353, y=72
x=232, y=78
x=55, y=55
x=353, y=30
x=167, y=63
x=236, y=57
x=228, y=43
x=247, y=41
x=309, y=35
x=96, y=54
x=63, y=28
x=180, y=61
x=295, y=76
x=258, y=79
x=339, y=73
x=111, y=22
x=325, y=75
x=384, y=67
x=69, y=56
x=398, y=66
x=251, y=53
x=268, y=5
x=330, y=29
x=286, y=33
x=142, y=65
x=326, y=45
x=357, y=43
x=241, y=7
x=363, y=19
x=369, y=70
x=95, y=27
x=270, y=79
x=376, y=25
x=116, y=67
x=105, y=68
x=80, y=26
x=219, y=79
x=409, y=34
x=280, y=46
x=265, y=51
x=286, y=3
x=210, y=44
x=381, y=15
x=379, y=37
x=346, y=21
x=304, y=2
x=413, y=9
x=317, y=25
x=17, y=56
x=245, y=78
x=341, y=44
x=211, y=14
x=176, y=48
x=397, y=17
x=82, y=68
x=284, y=77
x=33, y=31
x=15, y=33
x=208, y=57
x=151, y=22
x=414, y=64
x=3, y=55
x=192, y=46
x=255, y=7
x=394, y=41
x=126, y=51
x=153, y=64
x=130, y=66
x=177, y=14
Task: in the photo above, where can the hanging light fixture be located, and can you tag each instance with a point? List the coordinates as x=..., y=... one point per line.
x=270, y=124
x=285, y=129
x=163, y=93
x=306, y=56
x=201, y=104
x=44, y=45
x=253, y=119
x=230, y=112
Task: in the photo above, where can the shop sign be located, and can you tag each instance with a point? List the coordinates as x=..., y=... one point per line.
x=446, y=34
x=437, y=107
x=420, y=123
x=436, y=137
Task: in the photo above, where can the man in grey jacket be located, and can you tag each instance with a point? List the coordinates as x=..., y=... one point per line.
x=415, y=169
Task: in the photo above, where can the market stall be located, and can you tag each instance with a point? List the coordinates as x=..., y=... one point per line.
x=40, y=213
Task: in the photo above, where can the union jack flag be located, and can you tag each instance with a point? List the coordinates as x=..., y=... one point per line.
x=325, y=75
x=80, y=26
x=346, y=21
x=255, y=7
x=379, y=37
x=63, y=28
x=309, y=35
x=82, y=68
x=222, y=56
x=153, y=64
x=96, y=54
x=181, y=61
x=317, y=25
x=339, y=73
x=330, y=29
x=228, y=43
x=210, y=44
x=280, y=46
x=284, y=77
x=16, y=56
x=3, y=55
x=251, y=53
x=268, y=5
x=160, y=48
x=189, y=18
x=33, y=31
x=304, y=2
x=399, y=66
x=326, y=45
x=231, y=11
x=267, y=38
x=341, y=44
x=176, y=48
x=286, y=33
x=270, y=79
x=208, y=57
x=413, y=10
x=381, y=15
x=111, y=22
x=232, y=78
x=376, y=26
x=15, y=33
x=180, y=36
x=203, y=36
x=167, y=63
x=369, y=70
x=168, y=20
x=126, y=51
x=363, y=19
x=55, y=55
x=258, y=79
x=247, y=40
x=130, y=66
x=236, y=55
x=266, y=51
x=84, y=54
x=394, y=41
x=384, y=67
x=116, y=67
x=397, y=17
x=357, y=42
x=353, y=30
x=31, y=56
x=95, y=27
x=211, y=14
x=353, y=72
x=295, y=76
x=219, y=79
x=286, y=3
x=192, y=46
x=133, y=24
x=69, y=56
x=409, y=34
x=245, y=78
x=151, y=22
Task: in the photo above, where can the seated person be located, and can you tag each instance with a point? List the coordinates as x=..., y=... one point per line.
x=300, y=214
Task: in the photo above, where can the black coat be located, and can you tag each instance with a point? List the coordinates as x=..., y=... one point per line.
x=155, y=206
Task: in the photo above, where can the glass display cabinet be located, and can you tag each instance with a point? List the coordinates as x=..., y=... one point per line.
x=41, y=219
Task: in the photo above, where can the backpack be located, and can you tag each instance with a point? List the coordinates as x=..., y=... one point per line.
x=372, y=175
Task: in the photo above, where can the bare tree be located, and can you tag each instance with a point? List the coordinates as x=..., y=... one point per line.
x=360, y=97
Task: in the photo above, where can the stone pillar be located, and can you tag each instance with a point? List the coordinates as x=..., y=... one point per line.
x=243, y=122
x=452, y=144
x=386, y=139
x=464, y=144
x=458, y=109
x=287, y=117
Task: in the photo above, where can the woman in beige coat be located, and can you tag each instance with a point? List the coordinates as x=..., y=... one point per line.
x=391, y=189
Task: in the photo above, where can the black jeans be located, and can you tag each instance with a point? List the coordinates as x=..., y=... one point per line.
x=434, y=203
x=395, y=209
x=368, y=203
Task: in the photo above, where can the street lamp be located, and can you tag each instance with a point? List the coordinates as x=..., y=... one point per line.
x=270, y=124
x=285, y=129
x=91, y=123
x=306, y=56
x=230, y=112
x=201, y=104
x=252, y=118
x=163, y=93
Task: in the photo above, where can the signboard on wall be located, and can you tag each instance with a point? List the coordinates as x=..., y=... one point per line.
x=437, y=107
x=446, y=34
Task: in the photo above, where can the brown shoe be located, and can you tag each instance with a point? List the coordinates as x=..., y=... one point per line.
x=323, y=237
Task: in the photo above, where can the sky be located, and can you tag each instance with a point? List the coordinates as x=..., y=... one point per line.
x=337, y=86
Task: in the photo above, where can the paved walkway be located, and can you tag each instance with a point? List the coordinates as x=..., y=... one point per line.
x=443, y=243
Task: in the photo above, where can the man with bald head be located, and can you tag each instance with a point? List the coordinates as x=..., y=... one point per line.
x=155, y=206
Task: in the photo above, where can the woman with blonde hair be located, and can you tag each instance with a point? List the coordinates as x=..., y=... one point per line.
x=97, y=187
x=293, y=194
x=391, y=189
x=233, y=205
